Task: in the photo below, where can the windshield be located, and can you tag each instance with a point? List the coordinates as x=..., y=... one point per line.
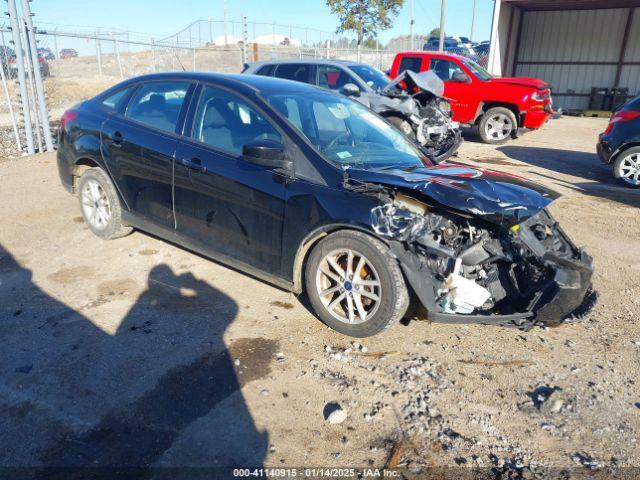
x=480, y=72
x=371, y=76
x=345, y=132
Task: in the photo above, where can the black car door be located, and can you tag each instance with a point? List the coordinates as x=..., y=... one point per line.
x=224, y=204
x=139, y=147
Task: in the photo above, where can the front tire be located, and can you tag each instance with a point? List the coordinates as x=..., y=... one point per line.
x=354, y=285
x=100, y=205
x=627, y=167
x=497, y=125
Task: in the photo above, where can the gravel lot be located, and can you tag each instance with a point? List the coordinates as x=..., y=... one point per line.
x=136, y=352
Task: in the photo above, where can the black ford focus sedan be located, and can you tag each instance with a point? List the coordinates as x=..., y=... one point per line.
x=313, y=192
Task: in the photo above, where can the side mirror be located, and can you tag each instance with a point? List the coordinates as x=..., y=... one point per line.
x=460, y=77
x=350, y=90
x=268, y=153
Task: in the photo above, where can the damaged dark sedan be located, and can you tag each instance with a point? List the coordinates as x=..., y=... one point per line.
x=314, y=192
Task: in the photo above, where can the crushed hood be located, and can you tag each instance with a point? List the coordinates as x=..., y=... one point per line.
x=522, y=82
x=426, y=80
x=497, y=197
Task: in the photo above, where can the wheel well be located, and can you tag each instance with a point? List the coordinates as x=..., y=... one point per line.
x=308, y=244
x=489, y=105
x=623, y=149
x=79, y=167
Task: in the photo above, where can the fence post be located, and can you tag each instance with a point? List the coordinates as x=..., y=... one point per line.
x=194, y=59
x=37, y=76
x=153, y=55
x=6, y=93
x=115, y=48
x=328, y=48
x=33, y=103
x=99, y=55
x=245, y=40
x=56, y=53
x=17, y=43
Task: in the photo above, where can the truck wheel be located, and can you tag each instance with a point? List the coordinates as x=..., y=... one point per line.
x=100, y=205
x=354, y=285
x=497, y=125
x=627, y=167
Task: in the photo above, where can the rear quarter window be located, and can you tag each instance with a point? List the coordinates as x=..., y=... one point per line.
x=114, y=101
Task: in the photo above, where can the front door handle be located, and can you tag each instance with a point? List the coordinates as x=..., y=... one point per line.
x=117, y=138
x=194, y=164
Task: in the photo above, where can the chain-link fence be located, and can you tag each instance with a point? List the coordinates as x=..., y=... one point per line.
x=78, y=65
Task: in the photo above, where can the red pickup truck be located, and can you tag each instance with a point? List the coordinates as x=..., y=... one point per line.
x=497, y=106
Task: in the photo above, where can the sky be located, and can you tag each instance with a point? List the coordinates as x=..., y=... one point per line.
x=160, y=18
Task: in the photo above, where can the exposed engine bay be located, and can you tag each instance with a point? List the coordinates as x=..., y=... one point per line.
x=530, y=273
x=413, y=102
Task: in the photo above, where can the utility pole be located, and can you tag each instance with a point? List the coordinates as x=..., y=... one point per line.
x=473, y=20
x=224, y=16
x=22, y=81
x=411, y=22
x=443, y=10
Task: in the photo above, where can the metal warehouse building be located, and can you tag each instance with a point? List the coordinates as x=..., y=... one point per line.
x=574, y=45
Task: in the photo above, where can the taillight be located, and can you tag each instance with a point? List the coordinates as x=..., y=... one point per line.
x=621, y=116
x=68, y=116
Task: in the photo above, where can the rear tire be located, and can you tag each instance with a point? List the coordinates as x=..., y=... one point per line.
x=627, y=167
x=497, y=125
x=366, y=289
x=100, y=205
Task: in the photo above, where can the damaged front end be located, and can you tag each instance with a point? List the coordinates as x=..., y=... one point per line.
x=466, y=269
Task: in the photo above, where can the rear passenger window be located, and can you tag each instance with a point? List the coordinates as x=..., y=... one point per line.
x=293, y=71
x=158, y=104
x=113, y=101
x=227, y=122
x=410, y=63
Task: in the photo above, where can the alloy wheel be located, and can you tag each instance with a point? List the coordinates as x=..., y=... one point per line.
x=348, y=286
x=498, y=127
x=95, y=205
x=629, y=169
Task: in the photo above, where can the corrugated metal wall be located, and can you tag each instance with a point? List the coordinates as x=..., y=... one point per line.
x=577, y=36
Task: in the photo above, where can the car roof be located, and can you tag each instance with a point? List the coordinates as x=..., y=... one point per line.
x=429, y=52
x=315, y=61
x=256, y=83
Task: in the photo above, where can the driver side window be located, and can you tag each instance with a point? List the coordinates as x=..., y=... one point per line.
x=444, y=68
x=227, y=122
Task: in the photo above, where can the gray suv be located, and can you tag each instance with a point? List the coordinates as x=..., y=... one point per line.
x=422, y=114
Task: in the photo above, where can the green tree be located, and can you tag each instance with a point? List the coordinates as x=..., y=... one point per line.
x=364, y=17
x=435, y=32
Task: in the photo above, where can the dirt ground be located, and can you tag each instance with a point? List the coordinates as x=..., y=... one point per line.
x=137, y=352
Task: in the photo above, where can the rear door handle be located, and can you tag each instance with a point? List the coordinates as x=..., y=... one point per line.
x=194, y=164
